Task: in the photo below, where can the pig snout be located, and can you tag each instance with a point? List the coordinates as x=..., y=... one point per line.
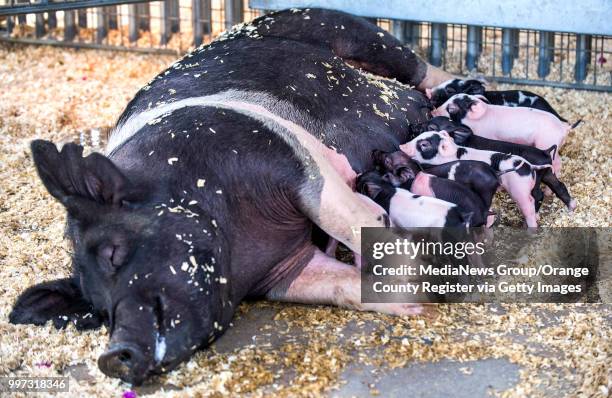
x=132, y=350
x=125, y=361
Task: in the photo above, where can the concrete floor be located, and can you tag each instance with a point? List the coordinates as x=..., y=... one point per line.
x=440, y=379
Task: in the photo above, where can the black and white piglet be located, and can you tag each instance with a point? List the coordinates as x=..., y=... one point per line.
x=463, y=135
x=441, y=188
x=516, y=175
x=441, y=93
x=479, y=177
x=408, y=210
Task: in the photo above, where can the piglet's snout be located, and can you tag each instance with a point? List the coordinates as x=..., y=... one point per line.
x=132, y=348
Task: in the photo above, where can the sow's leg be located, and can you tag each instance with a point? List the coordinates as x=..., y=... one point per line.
x=325, y=280
x=355, y=40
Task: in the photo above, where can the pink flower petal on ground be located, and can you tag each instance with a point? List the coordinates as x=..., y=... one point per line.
x=129, y=394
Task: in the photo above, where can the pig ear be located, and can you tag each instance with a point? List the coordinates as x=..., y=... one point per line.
x=67, y=174
x=452, y=109
x=461, y=134
x=408, y=148
x=477, y=110
x=446, y=149
x=474, y=87
x=482, y=98
x=60, y=301
x=370, y=189
x=428, y=92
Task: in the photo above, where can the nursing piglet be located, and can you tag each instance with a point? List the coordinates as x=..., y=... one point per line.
x=441, y=188
x=462, y=135
x=406, y=209
x=441, y=93
x=479, y=177
x=516, y=175
x=525, y=126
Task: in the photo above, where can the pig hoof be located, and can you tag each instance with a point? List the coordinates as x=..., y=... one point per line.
x=572, y=205
x=491, y=219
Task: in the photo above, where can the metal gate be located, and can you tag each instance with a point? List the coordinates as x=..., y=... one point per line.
x=517, y=48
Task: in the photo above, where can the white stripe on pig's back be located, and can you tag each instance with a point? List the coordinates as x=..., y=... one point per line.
x=331, y=204
x=272, y=105
x=451, y=172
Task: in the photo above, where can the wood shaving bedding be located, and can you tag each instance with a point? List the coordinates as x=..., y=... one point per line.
x=63, y=94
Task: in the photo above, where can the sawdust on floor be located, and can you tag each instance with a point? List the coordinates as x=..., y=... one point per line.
x=62, y=94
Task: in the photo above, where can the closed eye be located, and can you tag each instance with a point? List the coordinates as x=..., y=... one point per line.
x=424, y=145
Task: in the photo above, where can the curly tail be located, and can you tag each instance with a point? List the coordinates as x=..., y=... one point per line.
x=516, y=168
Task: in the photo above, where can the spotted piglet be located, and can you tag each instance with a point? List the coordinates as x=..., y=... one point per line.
x=403, y=172
x=519, y=125
x=406, y=209
x=462, y=135
x=516, y=175
x=477, y=176
x=441, y=93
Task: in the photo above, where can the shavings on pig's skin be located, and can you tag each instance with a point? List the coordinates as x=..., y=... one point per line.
x=562, y=349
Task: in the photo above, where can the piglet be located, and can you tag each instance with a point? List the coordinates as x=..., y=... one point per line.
x=406, y=209
x=477, y=176
x=516, y=175
x=525, y=126
x=441, y=93
x=462, y=135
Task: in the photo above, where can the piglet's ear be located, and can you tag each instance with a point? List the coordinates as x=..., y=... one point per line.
x=68, y=175
x=474, y=87
x=370, y=189
x=428, y=92
x=447, y=147
x=477, y=110
x=452, y=109
x=409, y=148
x=461, y=134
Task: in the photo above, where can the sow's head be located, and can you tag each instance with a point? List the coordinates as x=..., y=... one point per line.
x=144, y=269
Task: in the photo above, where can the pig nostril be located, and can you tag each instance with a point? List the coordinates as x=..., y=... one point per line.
x=125, y=356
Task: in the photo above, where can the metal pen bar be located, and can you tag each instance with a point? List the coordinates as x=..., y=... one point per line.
x=69, y=26
x=196, y=22
x=544, y=55
x=82, y=17
x=133, y=32
x=51, y=20
x=435, y=53
x=398, y=29
x=471, y=55
x=31, y=8
x=111, y=15
x=101, y=25
x=507, y=50
x=233, y=13
x=39, y=26
x=412, y=33
x=581, y=58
